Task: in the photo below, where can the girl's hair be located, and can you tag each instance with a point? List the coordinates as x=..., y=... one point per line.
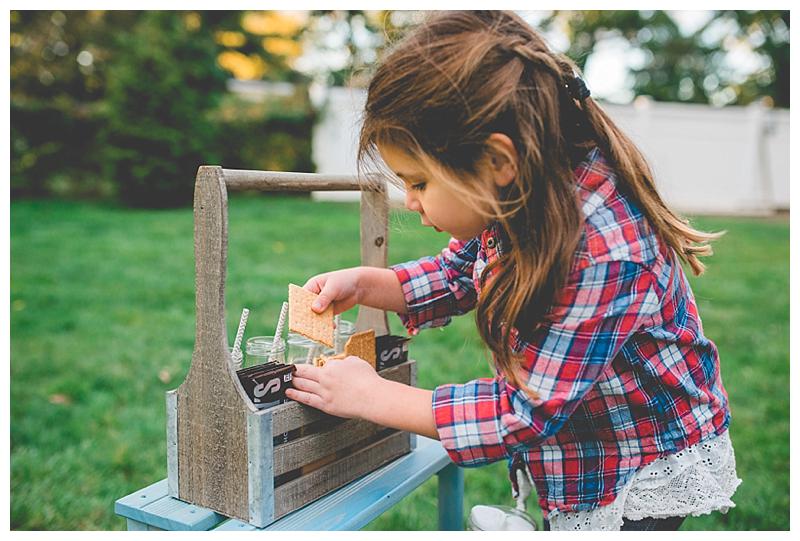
x=457, y=78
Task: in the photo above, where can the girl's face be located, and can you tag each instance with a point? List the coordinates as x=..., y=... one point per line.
x=438, y=204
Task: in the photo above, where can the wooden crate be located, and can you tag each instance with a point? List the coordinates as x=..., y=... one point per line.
x=222, y=452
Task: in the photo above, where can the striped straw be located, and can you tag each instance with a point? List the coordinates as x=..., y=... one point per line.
x=237, y=344
x=279, y=331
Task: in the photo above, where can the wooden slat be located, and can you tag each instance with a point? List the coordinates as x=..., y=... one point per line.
x=299, y=492
x=292, y=415
x=172, y=442
x=374, y=252
x=260, y=486
x=155, y=508
x=279, y=181
x=357, y=504
x=212, y=447
x=311, y=448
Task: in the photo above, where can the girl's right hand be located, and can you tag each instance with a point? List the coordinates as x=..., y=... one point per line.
x=339, y=287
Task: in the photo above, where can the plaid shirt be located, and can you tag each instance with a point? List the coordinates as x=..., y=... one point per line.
x=622, y=368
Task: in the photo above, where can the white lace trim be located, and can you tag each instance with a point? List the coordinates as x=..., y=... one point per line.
x=696, y=481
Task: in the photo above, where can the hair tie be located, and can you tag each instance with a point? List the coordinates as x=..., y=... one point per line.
x=578, y=89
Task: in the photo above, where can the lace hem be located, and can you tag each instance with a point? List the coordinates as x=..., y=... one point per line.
x=695, y=481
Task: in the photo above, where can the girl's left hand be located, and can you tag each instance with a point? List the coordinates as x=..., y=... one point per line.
x=342, y=387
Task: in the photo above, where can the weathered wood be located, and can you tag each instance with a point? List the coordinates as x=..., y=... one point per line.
x=350, y=508
x=292, y=415
x=212, y=447
x=222, y=446
x=374, y=251
x=299, y=492
x=278, y=181
x=259, y=469
x=314, y=447
x=172, y=442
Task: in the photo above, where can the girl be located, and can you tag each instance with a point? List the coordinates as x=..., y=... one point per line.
x=607, y=396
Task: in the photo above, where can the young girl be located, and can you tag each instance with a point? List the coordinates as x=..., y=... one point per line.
x=607, y=396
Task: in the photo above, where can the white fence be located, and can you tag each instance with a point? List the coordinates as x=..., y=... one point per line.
x=706, y=160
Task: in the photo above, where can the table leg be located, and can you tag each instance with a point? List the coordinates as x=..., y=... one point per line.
x=451, y=498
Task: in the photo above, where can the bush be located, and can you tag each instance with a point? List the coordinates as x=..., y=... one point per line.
x=53, y=152
x=274, y=134
x=162, y=85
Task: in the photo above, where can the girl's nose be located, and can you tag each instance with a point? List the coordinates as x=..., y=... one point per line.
x=412, y=203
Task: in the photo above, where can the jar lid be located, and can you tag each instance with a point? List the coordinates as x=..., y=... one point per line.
x=262, y=345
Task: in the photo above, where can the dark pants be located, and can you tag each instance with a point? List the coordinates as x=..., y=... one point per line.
x=646, y=524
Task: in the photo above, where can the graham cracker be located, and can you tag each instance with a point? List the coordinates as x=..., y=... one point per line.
x=321, y=360
x=362, y=345
x=303, y=320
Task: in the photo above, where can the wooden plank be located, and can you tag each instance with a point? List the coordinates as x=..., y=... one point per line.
x=279, y=181
x=259, y=469
x=299, y=492
x=212, y=448
x=358, y=503
x=154, y=507
x=292, y=415
x=172, y=442
x=451, y=498
x=313, y=447
x=374, y=251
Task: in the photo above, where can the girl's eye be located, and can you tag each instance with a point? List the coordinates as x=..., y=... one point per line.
x=418, y=186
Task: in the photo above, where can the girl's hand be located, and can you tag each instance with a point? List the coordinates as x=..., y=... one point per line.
x=339, y=287
x=342, y=387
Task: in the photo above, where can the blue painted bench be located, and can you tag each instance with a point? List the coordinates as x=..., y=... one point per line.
x=351, y=507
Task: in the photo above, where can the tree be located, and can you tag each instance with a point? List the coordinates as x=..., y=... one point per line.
x=694, y=67
x=163, y=83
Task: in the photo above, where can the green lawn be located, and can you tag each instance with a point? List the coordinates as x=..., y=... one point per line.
x=102, y=324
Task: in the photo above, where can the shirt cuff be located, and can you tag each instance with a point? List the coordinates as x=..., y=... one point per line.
x=425, y=298
x=466, y=418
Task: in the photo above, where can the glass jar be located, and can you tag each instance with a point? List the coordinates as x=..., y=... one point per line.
x=259, y=350
x=342, y=333
x=499, y=518
x=301, y=349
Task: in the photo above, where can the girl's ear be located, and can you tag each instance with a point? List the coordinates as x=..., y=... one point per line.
x=501, y=159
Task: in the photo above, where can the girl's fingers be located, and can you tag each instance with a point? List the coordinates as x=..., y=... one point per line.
x=309, y=399
x=313, y=285
x=307, y=371
x=305, y=384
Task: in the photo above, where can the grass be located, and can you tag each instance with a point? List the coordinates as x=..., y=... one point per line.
x=102, y=324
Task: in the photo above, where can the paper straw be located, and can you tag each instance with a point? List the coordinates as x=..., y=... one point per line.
x=279, y=331
x=237, y=344
x=236, y=359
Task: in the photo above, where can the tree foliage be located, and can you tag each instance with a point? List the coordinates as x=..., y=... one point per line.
x=696, y=67
x=162, y=86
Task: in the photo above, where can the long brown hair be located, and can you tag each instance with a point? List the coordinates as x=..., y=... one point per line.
x=458, y=77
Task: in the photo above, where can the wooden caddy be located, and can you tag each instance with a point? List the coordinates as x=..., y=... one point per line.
x=222, y=452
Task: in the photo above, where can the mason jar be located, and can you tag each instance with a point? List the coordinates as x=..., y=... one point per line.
x=301, y=350
x=499, y=518
x=258, y=350
x=342, y=333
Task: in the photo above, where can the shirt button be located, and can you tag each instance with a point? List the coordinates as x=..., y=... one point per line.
x=490, y=242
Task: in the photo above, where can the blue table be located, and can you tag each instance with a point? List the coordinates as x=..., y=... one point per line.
x=351, y=507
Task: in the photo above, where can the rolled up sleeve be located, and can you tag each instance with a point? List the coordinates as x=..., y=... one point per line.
x=598, y=309
x=437, y=288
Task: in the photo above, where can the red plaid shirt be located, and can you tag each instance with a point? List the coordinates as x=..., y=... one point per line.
x=622, y=368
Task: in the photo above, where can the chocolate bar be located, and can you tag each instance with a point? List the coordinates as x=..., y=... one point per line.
x=266, y=384
x=390, y=350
